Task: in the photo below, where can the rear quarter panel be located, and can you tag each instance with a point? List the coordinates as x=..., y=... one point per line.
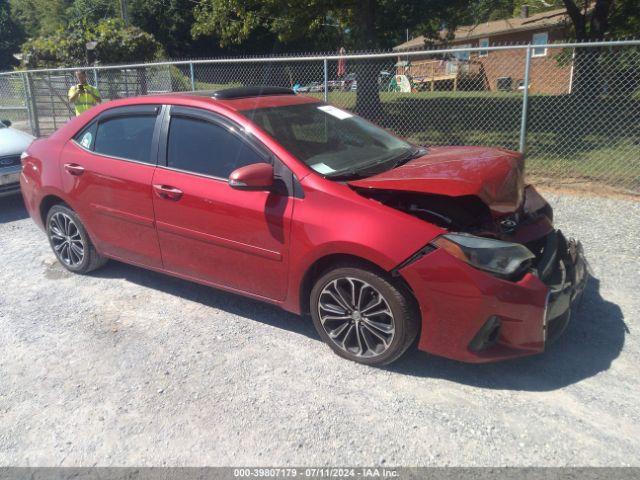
x=41, y=175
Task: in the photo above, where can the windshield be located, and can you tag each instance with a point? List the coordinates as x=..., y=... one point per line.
x=331, y=141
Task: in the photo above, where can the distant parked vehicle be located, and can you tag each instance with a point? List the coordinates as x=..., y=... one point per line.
x=350, y=83
x=311, y=88
x=12, y=143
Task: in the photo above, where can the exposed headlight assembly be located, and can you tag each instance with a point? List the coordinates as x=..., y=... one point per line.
x=503, y=259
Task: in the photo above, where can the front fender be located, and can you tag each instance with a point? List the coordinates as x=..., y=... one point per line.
x=338, y=221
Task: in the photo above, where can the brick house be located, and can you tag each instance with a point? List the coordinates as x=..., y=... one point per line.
x=497, y=69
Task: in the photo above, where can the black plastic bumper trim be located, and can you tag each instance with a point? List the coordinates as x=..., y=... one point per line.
x=487, y=335
x=566, y=297
x=413, y=258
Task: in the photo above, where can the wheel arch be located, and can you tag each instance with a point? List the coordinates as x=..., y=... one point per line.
x=52, y=199
x=47, y=202
x=326, y=262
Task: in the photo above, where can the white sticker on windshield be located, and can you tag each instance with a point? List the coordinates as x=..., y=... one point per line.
x=322, y=168
x=336, y=112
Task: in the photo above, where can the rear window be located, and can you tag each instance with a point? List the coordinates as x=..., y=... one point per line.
x=124, y=137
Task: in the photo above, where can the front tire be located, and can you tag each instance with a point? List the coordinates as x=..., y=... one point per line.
x=364, y=316
x=70, y=242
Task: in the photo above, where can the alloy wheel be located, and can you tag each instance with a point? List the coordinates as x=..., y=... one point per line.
x=66, y=239
x=356, y=317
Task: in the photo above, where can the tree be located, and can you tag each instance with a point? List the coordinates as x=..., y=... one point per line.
x=589, y=23
x=115, y=43
x=592, y=22
x=40, y=17
x=354, y=24
x=10, y=38
x=168, y=21
x=92, y=11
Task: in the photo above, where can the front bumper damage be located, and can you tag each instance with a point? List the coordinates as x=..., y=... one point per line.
x=472, y=316
x=565, y=270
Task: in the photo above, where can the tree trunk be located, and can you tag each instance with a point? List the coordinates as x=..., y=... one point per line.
x=586, y=66
x=367, y=96
x=586, y=72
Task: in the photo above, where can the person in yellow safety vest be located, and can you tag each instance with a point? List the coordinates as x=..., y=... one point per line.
x=83, y=95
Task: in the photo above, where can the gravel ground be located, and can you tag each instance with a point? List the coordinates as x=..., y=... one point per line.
x=129, y=367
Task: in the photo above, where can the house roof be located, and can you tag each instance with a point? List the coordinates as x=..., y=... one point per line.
x=548, y=19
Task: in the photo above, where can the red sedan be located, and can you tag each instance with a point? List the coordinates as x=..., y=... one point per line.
x=286, y=199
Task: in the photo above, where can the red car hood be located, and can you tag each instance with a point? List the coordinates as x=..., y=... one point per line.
x=494, y=175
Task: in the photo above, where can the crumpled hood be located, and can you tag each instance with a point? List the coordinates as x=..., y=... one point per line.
x=494, y=175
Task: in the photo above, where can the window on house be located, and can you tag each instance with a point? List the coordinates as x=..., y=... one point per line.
x=483, y=43
x=463, y=55
x=540, y=39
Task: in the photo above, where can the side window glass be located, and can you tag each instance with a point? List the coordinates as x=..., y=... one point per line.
x=87, y=136
x=206, y=148
x=126, y=137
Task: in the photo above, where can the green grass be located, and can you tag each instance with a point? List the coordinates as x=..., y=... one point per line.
x=616, y=164
x=568, y=138
x=12, y=99
x=216, y=86
x=11, y=102
x=13, y=115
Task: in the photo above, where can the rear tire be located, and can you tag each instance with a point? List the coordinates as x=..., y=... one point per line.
x=363, y=315
x=70, y=241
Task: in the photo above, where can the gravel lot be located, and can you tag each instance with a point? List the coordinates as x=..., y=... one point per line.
x=129, y=367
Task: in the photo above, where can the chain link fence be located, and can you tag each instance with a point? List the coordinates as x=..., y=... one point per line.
x=573, y=108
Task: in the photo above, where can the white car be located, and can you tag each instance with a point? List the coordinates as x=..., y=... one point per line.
x=12, y=143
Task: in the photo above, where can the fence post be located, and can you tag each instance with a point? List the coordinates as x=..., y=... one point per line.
x=193, y=78
x=525, y=101
x=51, y=101
x=95, y=78
x=326, y=79
x=25, y=89
x=32, y=108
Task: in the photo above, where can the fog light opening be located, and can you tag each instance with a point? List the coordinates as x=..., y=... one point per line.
x=487, y=336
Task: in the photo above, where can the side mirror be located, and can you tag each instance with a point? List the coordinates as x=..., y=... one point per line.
x=6, y=122
x=257, y=176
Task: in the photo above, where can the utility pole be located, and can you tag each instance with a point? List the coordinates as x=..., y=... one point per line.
x=124, y=12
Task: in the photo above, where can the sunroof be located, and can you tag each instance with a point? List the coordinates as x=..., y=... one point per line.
x=251, y=91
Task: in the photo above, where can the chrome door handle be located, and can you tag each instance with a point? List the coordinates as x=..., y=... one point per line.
x=74, y=169
x=168, y=192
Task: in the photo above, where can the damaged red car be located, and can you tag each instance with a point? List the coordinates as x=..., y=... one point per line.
x=289, y=200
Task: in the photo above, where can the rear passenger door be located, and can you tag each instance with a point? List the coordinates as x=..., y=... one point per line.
x=208, y=231
x=107, y=170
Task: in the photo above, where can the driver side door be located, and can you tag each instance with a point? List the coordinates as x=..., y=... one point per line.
x=208, y=231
